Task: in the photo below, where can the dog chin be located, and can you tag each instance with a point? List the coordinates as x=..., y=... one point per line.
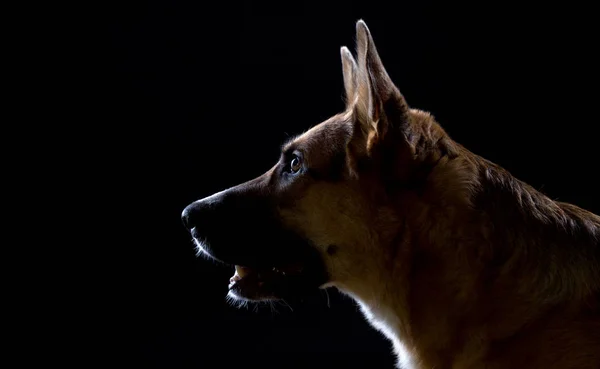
x=240, y=298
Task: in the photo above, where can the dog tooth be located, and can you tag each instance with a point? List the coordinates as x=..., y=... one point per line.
x=241, y=271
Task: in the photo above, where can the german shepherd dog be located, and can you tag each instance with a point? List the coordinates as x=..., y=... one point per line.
x=457, y=262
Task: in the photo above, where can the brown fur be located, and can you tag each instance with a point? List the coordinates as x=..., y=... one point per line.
x=457, y=262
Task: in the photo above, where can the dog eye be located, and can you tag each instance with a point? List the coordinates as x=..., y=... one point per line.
x=295, y=164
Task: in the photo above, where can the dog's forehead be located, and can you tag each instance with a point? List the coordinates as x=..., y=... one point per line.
x=329, y=133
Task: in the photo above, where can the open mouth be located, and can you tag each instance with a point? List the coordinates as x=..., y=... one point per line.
x=264, y=283
x=293, y=277
x=269, y=272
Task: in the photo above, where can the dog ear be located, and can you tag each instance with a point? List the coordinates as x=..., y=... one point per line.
x=379, y=107
x=349, y=70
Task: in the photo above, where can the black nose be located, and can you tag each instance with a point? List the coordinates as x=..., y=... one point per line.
x=189, y=216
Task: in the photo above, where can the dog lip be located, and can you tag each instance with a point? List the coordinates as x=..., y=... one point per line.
x=232, y=281
x=259, y=275
x=199, y=236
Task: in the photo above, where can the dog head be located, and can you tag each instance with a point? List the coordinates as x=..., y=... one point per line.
x=327, y=213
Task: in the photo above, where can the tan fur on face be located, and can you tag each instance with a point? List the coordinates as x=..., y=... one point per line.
x=457, y=262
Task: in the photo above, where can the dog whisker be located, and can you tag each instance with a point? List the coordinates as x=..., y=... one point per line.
x=327, y=294
x=283, y=302
x=273, y=309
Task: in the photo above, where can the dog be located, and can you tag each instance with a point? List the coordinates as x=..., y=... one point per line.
x=454, y=260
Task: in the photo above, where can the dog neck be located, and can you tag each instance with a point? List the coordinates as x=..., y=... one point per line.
x=382, y=293
x=385, y=307
x=450, y=259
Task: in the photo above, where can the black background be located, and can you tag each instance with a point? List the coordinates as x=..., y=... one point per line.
x=195, y=97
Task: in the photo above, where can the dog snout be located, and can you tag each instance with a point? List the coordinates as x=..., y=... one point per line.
x=197, y=213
